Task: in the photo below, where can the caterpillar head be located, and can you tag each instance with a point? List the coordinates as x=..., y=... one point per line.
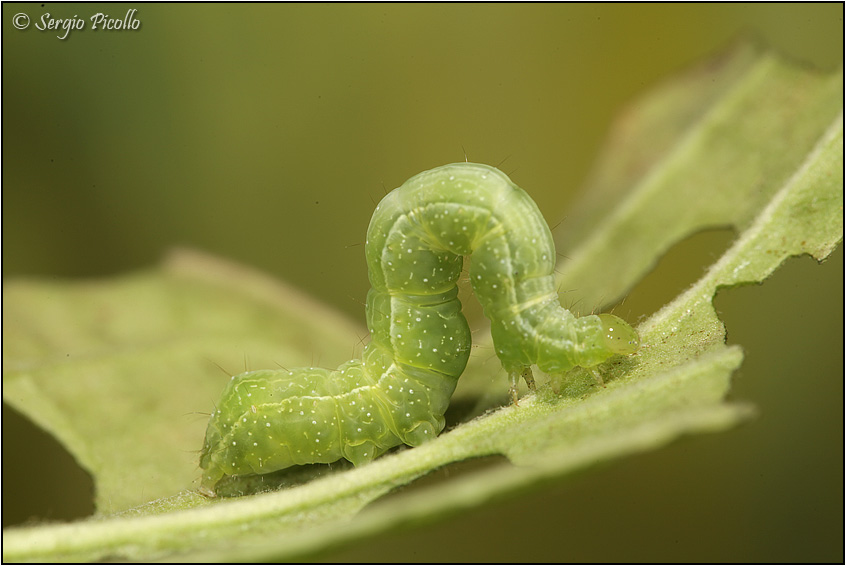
x=618, y=336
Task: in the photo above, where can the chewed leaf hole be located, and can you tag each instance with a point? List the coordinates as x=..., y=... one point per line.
x=680, y=267
x=41, y=480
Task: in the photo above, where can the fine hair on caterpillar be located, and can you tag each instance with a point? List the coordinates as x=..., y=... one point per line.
x=398, y=391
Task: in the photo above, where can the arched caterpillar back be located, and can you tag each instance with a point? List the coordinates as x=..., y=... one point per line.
x=420, y=341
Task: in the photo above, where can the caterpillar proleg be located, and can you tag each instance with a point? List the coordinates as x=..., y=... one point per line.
x=420, y=342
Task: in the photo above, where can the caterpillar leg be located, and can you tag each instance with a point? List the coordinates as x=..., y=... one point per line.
x=597, y=376
x=527, y=375
x=209, y=481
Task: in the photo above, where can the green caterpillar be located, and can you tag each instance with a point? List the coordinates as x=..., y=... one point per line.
x=420, y=341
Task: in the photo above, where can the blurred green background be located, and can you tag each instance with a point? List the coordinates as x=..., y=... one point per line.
x=267, y=133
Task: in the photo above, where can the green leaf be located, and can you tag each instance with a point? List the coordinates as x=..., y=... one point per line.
x=114, y=369
x=143, y=354
x=730, y=138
